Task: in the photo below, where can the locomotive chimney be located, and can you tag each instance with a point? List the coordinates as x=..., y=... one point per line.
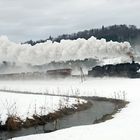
x=133, y=60
x=130, y=54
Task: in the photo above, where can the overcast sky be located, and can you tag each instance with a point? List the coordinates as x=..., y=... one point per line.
x=22, y=20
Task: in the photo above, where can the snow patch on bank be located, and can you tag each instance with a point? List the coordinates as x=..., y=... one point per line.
x=23, y=106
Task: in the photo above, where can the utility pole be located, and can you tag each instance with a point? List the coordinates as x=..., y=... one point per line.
x=82, y=75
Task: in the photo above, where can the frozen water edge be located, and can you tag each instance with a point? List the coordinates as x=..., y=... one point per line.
x=125, y=125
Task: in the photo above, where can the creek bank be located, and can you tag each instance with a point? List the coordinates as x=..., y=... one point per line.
x=119, y=104
x=95, y=110
x=14, y=123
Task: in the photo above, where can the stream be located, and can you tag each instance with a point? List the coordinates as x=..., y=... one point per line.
x=86, y=117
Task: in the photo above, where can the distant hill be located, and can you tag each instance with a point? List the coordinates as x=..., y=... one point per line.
x=118, y=33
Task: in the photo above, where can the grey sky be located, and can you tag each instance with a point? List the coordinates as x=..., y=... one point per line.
x=22, y=20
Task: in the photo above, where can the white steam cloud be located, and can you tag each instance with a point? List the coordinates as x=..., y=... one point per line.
x=65, y=50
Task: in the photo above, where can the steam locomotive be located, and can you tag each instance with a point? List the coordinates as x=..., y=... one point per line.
x=118, y=70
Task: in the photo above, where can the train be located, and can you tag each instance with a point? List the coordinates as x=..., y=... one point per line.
x=116, y=70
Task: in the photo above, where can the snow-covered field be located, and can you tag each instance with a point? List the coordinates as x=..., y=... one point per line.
x=68, y=86
x=23, y=105
x=125, y=125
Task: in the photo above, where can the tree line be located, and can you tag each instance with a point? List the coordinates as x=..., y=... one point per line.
x=118, y=33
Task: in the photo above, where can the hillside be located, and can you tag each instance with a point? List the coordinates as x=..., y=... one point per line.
x=118, y=33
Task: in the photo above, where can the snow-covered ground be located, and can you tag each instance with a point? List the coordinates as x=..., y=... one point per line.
x=23, y=105
x=125, y=125
x=68, y=86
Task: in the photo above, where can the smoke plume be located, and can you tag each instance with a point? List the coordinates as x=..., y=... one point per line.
x=65, y=50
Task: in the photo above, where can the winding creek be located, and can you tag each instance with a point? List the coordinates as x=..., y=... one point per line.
x=99, y=108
